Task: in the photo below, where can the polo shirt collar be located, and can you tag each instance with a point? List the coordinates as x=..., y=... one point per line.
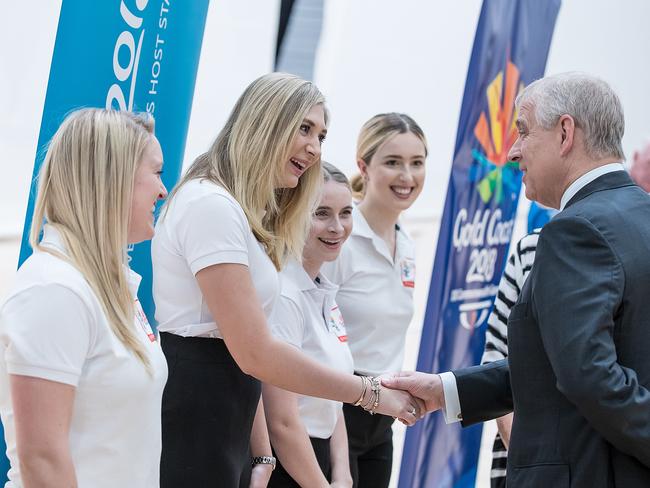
x=362, y=228
x=297, y=274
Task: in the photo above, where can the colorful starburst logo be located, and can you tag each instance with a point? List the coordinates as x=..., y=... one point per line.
x=496, y=133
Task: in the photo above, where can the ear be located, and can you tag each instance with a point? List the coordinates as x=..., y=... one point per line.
x=635, y=158
x=567, y=128
x=363, y=167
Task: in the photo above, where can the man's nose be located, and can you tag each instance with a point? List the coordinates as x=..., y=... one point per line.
x=515, y=152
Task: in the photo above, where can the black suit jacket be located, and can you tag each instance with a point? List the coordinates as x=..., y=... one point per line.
x=578, y=371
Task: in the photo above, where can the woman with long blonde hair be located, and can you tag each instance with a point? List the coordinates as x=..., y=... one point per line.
x=82, y=375
x=376, y=275
x=241, y=210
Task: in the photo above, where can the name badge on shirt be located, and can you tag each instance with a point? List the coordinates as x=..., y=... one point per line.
x=337, y=325
x=142, y=320
x=407, y=269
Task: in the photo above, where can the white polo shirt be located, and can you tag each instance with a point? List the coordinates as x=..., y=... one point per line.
x=306, y=316
x=375, y=295
x=53, y=327
x=203, y=226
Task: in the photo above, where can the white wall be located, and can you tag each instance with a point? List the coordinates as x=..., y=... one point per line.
x=376, y=55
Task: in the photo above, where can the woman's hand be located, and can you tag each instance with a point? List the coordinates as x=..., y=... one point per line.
x=401, y=405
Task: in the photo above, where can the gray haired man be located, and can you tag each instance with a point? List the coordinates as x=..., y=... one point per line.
x=578, y=373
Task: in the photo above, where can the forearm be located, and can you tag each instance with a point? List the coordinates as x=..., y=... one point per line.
x=260, y=443
x=484, y=392
x=260, y=446
x=339, y=455
x=295, y=452
x=275, y=362
x=52, y=468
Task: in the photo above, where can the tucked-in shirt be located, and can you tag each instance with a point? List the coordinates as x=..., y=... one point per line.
x=53, y=327
x=307, y=317
x=203, y=226
x=375, y=296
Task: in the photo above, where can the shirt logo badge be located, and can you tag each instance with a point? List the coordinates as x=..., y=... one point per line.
x=407, y=268
x=337, y=325
x=142, y=320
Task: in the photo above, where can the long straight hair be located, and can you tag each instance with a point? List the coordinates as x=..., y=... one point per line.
x=249, y=156
x=85, y=188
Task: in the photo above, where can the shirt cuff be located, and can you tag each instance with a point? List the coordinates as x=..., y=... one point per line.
x=452, y=410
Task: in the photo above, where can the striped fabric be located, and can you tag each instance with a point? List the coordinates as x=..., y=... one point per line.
x=518, y=266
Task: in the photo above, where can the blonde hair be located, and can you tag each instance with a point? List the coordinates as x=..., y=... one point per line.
x=85, y=188
x=332, y=173
x=248, y=159
x=376, y=132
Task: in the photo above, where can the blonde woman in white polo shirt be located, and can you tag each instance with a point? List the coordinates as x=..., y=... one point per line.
x=376, y=276
x=241, y=210
x=308, y=434
x=81, y=374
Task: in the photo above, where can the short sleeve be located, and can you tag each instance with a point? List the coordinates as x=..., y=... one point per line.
x=287, y=322
x=46, y=332
x=212, y=230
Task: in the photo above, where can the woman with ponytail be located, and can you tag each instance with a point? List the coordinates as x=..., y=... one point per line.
x=376, y=275
x=81, y=373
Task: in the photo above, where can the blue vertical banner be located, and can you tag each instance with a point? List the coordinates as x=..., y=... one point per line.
x=510, y=50
x=139, y=55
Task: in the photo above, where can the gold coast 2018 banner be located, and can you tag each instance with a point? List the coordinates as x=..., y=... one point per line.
x=510, y=50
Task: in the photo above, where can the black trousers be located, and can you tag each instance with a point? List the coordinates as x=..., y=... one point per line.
x=281, y=479
x=208, y=408
x=370, y=442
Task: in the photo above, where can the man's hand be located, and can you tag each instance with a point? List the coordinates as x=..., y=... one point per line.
x=426, y=387
x=504, y=425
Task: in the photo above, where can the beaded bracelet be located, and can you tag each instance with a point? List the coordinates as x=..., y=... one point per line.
x=373, y=400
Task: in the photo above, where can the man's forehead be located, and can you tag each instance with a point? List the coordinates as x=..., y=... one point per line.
x=525, y=113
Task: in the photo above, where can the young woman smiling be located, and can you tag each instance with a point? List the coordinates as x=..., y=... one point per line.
x=82, y=375
x=241, y=210
x=308, y=434
x=376, y=276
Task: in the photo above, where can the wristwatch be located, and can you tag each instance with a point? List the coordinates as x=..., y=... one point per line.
x=264, y=460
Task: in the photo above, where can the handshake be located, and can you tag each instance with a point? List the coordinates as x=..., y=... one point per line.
x=410, y=395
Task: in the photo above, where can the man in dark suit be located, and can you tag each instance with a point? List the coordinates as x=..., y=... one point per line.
x=578, y=374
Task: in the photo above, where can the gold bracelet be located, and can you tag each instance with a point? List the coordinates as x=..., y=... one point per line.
x=373, y=402
x=364, y=386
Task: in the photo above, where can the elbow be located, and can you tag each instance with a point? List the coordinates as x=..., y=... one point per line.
x=251, y=360
x=280, y=429
x=43, y=463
